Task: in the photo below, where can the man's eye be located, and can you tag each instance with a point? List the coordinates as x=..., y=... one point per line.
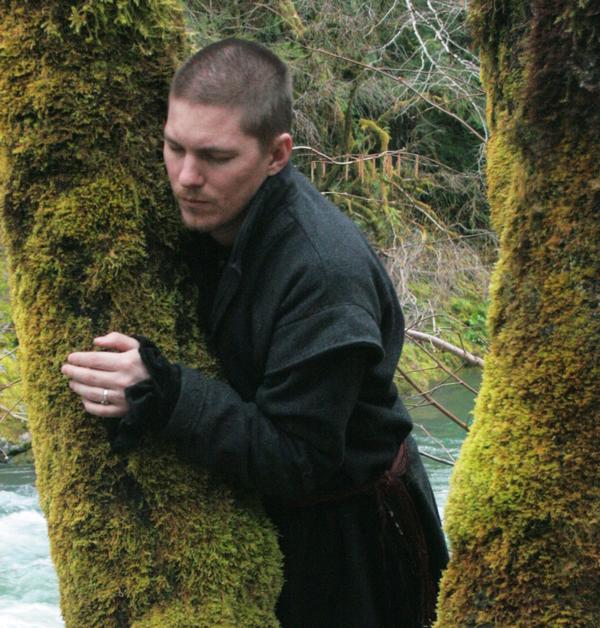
x=218, y=159
x=175, y=149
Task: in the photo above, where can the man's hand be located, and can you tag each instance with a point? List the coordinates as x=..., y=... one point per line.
x=101, y=377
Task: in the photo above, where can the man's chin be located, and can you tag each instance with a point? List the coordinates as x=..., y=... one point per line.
x=194, y=226
x=193, y=222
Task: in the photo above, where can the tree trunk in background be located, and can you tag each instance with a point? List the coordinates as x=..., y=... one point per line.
x=523, y=516
x=91, y=233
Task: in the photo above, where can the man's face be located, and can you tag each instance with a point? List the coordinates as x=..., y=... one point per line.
x=213, y=166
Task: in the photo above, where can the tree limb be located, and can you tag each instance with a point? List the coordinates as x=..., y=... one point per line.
x=468, y=357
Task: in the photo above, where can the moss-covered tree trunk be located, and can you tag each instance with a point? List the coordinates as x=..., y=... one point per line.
x=524, y=510
x=91, y=234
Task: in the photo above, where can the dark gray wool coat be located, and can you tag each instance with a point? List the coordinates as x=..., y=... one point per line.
x=307, y=326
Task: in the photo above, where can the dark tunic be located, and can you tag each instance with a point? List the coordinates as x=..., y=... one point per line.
x=307, y=326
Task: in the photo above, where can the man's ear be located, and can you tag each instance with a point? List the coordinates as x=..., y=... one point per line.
x=280, y=151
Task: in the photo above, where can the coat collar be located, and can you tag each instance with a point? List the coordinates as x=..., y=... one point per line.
x=264, y=202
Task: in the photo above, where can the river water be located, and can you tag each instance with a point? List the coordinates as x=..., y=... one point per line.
x=437, y=435
x=28, y=586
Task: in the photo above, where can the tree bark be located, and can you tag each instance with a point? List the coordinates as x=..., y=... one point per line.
x=523, y=515
x=91, y=233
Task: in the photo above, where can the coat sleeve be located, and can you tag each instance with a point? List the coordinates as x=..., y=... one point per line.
x=290, y=439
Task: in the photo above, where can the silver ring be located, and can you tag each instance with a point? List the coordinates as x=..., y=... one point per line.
x=104, y=400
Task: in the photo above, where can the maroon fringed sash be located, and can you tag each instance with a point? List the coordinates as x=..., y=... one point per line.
x=399, y=514
x=402, y=531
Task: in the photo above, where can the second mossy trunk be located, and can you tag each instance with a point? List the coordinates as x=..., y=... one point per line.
x=91, y=235
x=523, y=515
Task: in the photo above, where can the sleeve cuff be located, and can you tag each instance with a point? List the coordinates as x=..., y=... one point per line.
x=189, y=404
x=150, y=401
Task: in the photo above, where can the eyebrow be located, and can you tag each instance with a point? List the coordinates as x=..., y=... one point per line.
x=203, y=149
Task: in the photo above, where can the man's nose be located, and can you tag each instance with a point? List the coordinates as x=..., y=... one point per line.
x=191, y=174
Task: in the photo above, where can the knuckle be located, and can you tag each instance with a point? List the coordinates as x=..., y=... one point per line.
x=123, y=381
x=131, y=360
x=92, y=379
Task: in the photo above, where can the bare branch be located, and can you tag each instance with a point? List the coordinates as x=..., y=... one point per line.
x=433, y=401
x=444, y=368
x=404, y=82
x=470, y=358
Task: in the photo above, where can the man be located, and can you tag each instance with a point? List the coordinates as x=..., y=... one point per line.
x=306, y=325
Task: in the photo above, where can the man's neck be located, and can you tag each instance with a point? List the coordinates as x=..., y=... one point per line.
x=227, y=234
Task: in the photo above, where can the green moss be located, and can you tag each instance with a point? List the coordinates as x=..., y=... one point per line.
x=288, y=12
x=11, y=429
x=523, y=514
x=91, y=235
x=383, y=137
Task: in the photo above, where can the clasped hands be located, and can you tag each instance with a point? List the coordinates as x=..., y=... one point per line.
x=101, y=377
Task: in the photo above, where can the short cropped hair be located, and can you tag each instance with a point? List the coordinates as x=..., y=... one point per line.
x=240, y=73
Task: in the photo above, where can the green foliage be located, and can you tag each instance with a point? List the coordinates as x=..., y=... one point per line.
x=441, y=285
x=472, y=313
x=91, y=235
x=367, y=81
x=8, y=340
x=12, y=413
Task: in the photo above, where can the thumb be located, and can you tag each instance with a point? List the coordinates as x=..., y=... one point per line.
x=116, y=341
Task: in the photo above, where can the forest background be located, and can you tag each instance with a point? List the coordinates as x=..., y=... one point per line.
x=389, y=124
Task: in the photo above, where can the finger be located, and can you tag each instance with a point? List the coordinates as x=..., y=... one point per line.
x=96, y=395
x=117, y=341
x=97, y=409
x=95, y=378
x=102, y=360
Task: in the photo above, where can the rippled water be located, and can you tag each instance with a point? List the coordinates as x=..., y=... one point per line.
x=28, y=586
x=439, y=436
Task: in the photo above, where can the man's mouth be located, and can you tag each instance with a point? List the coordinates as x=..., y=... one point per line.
x=193, y=202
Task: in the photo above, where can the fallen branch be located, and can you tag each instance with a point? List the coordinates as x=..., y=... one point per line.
x=468, y=357
x=12, y=451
